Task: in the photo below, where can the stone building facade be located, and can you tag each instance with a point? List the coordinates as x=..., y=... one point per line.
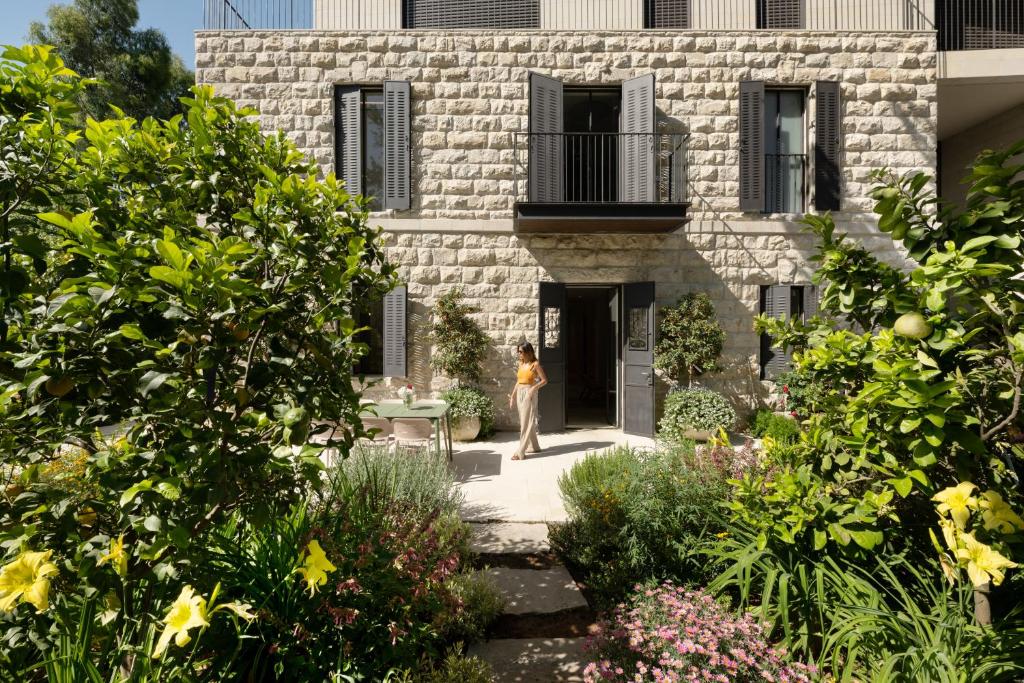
x=471, y=104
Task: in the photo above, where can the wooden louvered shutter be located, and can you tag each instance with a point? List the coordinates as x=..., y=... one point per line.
x=462, y=14
x=546, y=175
x=812, y=299
x=637, y=149
x=777, y=304
x=397, y=112
x=394, y=333
x=827, y=136
x=348, y=138
x=752, y=146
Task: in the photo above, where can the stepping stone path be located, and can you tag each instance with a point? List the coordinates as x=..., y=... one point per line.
x=540, y=636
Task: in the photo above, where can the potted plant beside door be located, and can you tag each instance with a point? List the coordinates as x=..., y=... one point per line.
x=690, y=342
x=459, y=349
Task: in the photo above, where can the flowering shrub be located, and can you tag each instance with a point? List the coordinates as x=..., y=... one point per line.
x=668, y=633
x=977, y=531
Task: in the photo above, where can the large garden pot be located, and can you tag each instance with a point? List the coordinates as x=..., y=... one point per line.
x=465, y=428
x=697, y=434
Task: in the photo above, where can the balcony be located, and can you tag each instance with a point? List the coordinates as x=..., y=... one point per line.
x=980, y=24
x=600, y=182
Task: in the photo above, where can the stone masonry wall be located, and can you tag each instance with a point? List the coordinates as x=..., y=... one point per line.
x=470, y=95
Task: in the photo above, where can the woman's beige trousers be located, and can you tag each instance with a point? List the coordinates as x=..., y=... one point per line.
x=526, y=401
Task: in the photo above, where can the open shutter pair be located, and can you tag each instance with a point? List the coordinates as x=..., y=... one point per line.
x=827, y=162
x=784, y=302
x=636, y=144
x=349, y=142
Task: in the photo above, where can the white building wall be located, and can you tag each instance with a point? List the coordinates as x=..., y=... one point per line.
x=358, y=14
x=592, y=14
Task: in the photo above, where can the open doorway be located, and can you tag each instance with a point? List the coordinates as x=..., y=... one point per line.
x=591, y=358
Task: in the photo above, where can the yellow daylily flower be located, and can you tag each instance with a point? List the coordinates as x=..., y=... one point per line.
x=187, y=612
x=958, y=502
x=315, y=567
x=997, y=514
x=239, y=609
x=117, y=556
x=949, y=534
x=27, y=579
x=983, y=563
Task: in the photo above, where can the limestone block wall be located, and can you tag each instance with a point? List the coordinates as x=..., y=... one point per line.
x=470, y=96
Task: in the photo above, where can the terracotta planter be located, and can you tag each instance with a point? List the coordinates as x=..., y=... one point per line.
x=465, y=428
x=697, y=434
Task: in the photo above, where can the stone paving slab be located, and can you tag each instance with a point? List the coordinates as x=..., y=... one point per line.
x=548, y=660
x=509, y=538
x=498, y=488
x=536, y=591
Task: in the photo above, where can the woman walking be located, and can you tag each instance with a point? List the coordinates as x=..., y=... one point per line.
x=530, y=378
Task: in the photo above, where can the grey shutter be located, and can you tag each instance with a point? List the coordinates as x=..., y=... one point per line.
x=394, y=333
x=546, y=175
x=397, y=112
x=827, y=134
x=348, y=139
x=752, y=146
x=777, y=304
x=812, y=299
x=638, y=125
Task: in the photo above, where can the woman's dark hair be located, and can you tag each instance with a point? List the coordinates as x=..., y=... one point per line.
x=526, y=348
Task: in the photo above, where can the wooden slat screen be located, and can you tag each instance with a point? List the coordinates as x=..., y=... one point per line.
x=471, y=14
x=827, y=147
x=397, y=113
x=348, y=138
x=667, y=14
x=394, y=333
x=752, y=146
x=638, y=112
x=546, y=177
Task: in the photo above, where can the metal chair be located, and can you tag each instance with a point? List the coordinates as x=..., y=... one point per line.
x=383, y=437
x=414, y=430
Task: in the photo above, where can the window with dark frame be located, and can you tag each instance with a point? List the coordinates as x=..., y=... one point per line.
x=667, y=14
x=373, y=146
x=372, y=317
x=785, y=158
x=780, y=14
x=440, y=14
x=795, y=302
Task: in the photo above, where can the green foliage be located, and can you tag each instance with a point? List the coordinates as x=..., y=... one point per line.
x=455, y=668
x=481, y=603
x=690, y=340
x=138, y=72
x=396, y=599
x=778, y=427
x=178, y=311
x=460, y=345
x=890, y=617
x=694, y=409
x=636, y=514
x=470, y=401
x=805, y=393
x=913, y=416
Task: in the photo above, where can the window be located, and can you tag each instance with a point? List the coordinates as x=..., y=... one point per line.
x=780, y=14
x=372, y=317
x=798, y=302
x=372, y=129
x=784, y=159
x=667, y=14
x=471, y=14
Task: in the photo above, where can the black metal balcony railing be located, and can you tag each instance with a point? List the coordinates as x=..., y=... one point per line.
x=601, y=168
x=980, y=24
x=785, y=183
x=260, y=14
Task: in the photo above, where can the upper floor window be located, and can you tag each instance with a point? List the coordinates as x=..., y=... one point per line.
x=666, y=13
x=784, y=158
x=780, y=14
x=372, y=142
x=471, y=14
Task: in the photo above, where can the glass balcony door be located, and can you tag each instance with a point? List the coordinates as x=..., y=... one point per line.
x=784, y=146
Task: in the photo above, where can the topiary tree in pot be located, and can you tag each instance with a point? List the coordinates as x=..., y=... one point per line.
x=690, y=340
x=460, y=346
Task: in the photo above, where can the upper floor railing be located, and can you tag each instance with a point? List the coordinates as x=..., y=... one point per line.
x=960, y=24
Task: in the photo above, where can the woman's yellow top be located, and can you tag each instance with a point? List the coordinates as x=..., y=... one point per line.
x=526, y=374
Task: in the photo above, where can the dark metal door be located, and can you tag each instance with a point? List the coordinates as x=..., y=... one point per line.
x=638, y=358
x=551, y=354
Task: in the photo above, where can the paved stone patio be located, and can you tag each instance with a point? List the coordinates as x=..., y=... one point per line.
x=498, y=488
